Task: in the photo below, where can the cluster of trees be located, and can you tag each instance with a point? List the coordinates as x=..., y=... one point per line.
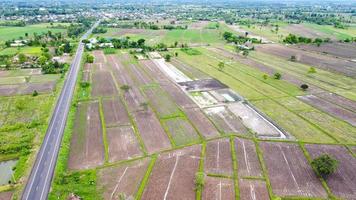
x=230, y=37
x=293, y=39
x=13, y=23
x=99, y=30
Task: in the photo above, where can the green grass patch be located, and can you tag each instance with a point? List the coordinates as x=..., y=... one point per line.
x=191, y=51
x=181, y=131
x=8, y=32
x=109, y=51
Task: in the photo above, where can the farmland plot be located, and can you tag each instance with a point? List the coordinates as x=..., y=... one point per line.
x=115, y=112
x=122, y=143
x=140, y=75
x=171, y=71
x=343, y=181
x=181, y=131
x=151, y=131
x=6, y=195
x=202, y=85
x=330, y=108
x=87, y=149
x=178, y=95
x=173, y=175
x=203, y=99
x=346, y=68
x=103, y=84
x=339, y=100
x=201, y=122
x=253, y=190
x=122, y=181
x=99, y=57
x=218, y=159
x=162, y=103
x=218, y=188
x=154, y=71
x=289, y=171
x=190, y=71
x=336, y=49
x=225, y=121
x=247, y=159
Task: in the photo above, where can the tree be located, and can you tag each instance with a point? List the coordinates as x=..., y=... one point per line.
x=293, y=58
x=167, y=57
x=304, y=87
x=311, y=70
x=22, y=58
x=245, y=53
x=175, y=44
x=141, y=42
x=35, y=93
x=125, y=88
x=144, y=105
x=89, y=58
x=221, y=66
x=277, y=76
x=199, y=180
x=42, y=60
x=176, y=54
x=325, y=164
x=265, y=76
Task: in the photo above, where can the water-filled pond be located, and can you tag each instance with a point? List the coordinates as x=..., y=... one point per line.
x=6, y=171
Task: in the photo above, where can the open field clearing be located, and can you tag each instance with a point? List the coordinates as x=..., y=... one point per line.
x=182, y=132
x=330, y=108
x=122, y=143
x=122, y=181
x=87, y=148
x=339, y=100
x=249, y=165
x=8, y=33
x=202, y=85
x=173, y=175
x=171, y=71
x=289, y=171
x=218, y=188
x=253, y=190
x=161, y=102
x=30, y=51
x=115, y=112
x=201, y=122
x=343, y=50
x=178, y=95
x=154, y=72
x=328, y=63
x=150, y=129
x=218, y=159
x=225, y=121
x=342, y=181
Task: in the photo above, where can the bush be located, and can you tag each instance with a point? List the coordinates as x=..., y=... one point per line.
x=199, y=180
x=277, y=76
x=304, y=87
x=35, y=93
x=293, y=58
x=325, y=165
x=167, y=57
x=89, y=58
x=125, y=88
x=265, y=76
x=311, y=70
x=84, y=84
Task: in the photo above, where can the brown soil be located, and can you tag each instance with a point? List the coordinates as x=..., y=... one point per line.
x=45, y=87
x=140, y=75
x=151, y=131
x=218, y=158
x=247, y=159
x=339, y=100
x=343, y=181
x=154, y=71
x=86, y=149
x=328, y=63
x=253, y=190
x=86, y=76
x=123, y=144
x=5, y=195
x=115, y=112
x=178, y=95
x=337, y=49
x=330, y=108
x=103, y=84
x=123, y=180
x=301, y=30
x=173, y=176
x=201, y=122
x=9, y=90
x=289, y=171
x=218, y=189
x=99, y=57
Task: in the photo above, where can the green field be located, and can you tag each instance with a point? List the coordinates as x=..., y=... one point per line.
x=331, y=31
x=33, y=51
x=9, y=33
x=276, y=98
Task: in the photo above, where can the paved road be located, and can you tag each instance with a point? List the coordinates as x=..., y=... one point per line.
x=40, y=179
